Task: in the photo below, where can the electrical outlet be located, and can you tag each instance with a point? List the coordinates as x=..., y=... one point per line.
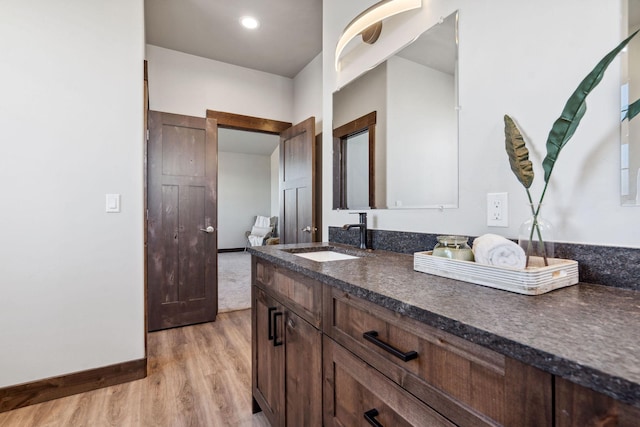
x=497, y=210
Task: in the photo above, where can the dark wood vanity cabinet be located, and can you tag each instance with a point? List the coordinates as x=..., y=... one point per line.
x=322, y=356
x=286, y=347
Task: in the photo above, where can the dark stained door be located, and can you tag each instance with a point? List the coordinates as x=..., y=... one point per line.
x=182, y=220
x=297, y=183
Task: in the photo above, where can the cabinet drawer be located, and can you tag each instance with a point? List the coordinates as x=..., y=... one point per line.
x=300, y=293
x=354, y=391
x=467, y=383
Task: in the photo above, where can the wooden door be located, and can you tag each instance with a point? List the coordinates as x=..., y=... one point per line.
x=268, y=355
x=182, y=219
x=297, y=183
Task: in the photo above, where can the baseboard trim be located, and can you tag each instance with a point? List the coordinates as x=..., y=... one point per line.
x=220, y=251
x=18, y=396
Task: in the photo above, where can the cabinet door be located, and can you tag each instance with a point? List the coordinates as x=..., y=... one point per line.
x=302, y=294
x=303, y=372
x=268, y=356
x=578, y=406
x=355, y=394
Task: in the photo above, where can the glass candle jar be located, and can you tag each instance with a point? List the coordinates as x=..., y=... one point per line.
x=454, y=247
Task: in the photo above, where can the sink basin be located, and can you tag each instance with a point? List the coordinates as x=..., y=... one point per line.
x=323, y=256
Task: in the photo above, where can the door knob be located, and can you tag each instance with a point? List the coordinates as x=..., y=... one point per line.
x=209, y=229
x=308, y=229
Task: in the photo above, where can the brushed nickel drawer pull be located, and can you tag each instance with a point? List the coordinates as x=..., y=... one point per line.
x=371, y=415
x=372, y=336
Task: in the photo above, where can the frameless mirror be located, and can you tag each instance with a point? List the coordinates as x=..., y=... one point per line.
x=630, y=91
x=413, y=152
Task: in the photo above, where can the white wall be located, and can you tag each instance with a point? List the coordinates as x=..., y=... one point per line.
x=275, y=185
x=307, y=93
x=526, y=68
x=357, y=166
x=244, y=191
x=186, y=84
x=421, y=128
x=71, y=113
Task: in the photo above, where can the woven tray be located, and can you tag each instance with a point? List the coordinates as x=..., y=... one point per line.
x=533, y=280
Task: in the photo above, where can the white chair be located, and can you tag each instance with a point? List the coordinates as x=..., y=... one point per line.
x=264, y=228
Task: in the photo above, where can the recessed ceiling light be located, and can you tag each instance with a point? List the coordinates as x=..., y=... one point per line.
x=249, y=22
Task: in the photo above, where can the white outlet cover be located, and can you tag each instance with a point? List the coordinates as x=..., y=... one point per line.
x=497, y=210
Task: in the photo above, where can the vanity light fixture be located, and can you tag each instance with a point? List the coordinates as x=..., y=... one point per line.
x=369, y=22
x=249, y=22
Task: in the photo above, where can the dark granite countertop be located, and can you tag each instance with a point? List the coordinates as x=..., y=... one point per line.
x=588, y=334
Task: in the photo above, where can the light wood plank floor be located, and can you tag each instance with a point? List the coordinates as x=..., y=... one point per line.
x=197, y=376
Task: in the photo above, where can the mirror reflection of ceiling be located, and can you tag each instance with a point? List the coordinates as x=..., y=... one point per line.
x=245, y=142
x=438, y=51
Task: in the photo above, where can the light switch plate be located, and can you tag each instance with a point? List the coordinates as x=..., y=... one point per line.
x=113, y=203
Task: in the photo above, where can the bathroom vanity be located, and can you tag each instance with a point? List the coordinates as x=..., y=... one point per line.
x=346, y=341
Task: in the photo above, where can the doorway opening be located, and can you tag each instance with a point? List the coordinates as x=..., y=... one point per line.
x=248, y=162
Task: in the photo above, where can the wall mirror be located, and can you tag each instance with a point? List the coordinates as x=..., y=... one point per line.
x=630, y=91
x=413, y=157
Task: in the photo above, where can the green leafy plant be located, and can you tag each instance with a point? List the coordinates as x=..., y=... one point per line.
x=632, y=111
x=561, y=132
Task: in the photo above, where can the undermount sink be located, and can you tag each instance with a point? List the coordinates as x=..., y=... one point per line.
x=323, y=256
x=324, y=253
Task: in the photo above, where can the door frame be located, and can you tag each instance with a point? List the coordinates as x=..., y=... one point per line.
x=273, y=127
x=248, y=123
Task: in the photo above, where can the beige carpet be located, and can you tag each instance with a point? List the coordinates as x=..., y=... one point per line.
x=234, y=281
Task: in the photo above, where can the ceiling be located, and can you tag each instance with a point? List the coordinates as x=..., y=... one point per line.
x=436, y=48
x=288, y=38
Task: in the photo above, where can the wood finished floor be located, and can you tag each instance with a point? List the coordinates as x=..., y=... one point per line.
x=197, y=376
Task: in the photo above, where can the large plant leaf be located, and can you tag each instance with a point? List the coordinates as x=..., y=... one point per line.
x=632, y=111
x=566, y=125
x=517, y=152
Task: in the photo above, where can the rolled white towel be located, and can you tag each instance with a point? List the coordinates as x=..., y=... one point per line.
x=496, y=250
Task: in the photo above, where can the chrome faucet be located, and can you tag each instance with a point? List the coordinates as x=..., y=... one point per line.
x=362, y=226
